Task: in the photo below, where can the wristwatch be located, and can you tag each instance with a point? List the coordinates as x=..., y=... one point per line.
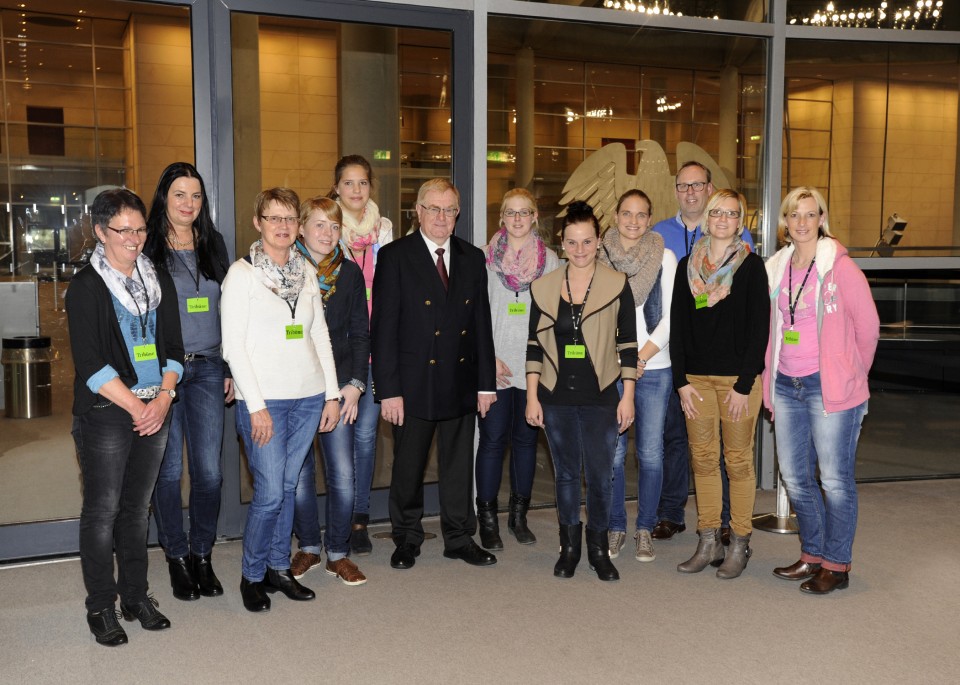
x=172, y=392
x=358, y=384
x=642, y=362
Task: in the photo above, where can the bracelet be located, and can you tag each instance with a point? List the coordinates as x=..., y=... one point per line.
x=642, y=362
x=358, y=384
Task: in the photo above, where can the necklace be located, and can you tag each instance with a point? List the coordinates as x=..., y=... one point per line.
x=172, y=237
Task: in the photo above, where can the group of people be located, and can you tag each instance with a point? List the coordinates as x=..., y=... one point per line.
x=678, y=329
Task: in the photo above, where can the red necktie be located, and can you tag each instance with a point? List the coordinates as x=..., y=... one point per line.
x=442, y=269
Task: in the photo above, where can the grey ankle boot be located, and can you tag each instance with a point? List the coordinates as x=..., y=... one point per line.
x=709, y=551
x=737, y=556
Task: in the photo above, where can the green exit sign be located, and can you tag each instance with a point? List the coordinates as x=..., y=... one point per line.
x=381, y=154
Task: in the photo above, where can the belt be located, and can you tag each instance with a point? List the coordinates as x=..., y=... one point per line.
x=190, y=356
x=147, y=393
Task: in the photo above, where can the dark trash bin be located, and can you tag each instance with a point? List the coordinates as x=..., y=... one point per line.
x=26, y=363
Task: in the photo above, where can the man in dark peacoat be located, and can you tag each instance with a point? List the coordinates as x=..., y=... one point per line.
x=433, y=368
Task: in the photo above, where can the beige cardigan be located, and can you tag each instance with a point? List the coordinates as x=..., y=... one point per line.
x=599, y=326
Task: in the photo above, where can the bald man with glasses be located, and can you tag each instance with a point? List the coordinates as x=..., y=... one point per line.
x=434, y=370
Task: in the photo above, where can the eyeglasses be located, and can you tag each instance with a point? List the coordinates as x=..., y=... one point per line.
x=129, y=232
x=277, y=220
x=434, y=211
x=696, y=185
x=510, y=213
x=729, y=213
x=639, y=216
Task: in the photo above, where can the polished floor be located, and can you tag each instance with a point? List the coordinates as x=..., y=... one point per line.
x=444, y=622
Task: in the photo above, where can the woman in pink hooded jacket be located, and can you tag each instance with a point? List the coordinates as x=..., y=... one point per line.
x=823, y=335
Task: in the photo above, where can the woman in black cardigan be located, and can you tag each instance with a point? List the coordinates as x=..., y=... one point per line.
x=128, y=356
x=719, y=322
x=345, y=311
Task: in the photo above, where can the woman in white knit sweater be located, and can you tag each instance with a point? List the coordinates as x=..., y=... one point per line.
x=276, y=343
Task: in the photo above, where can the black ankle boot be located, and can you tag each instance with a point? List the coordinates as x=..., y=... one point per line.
x=106, y=628
x=359, y=537
x=254, y=596
x=570, y=549
x=517, y=520
x=598, y=554
x=488, y=524
x=203, y=573
x=284, y=582
x=181, y=579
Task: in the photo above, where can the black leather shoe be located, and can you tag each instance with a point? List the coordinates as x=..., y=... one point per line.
x=471, y=553
x=287, y=584
x=106, y=628
x=254, y=597
x=801, y=570
x=207, y=581
x=664, y=530
x=404, y=556
x=826, y=581
x=725, y=536
x=181, y=579
x=146, y=612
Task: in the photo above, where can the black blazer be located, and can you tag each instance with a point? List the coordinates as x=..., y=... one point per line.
x=348, y=325
x=430, y=346
x=95, y=337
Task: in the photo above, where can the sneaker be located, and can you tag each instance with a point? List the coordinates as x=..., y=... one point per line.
x=346, y=570
x=644, y=546
x=616, y=538
x=303, y=562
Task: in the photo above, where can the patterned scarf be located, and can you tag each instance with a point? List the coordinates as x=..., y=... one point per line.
x=137, y=296
x=328, y=270
x=517, y=269
x=714, y=280
x=285, y=281
x=641, y=263
x=358, y=236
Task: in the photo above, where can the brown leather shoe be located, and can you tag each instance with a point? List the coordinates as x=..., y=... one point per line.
x=303, y=562
x=345, y=570
x=825, y=582
x=664, y=530
x=800, y=570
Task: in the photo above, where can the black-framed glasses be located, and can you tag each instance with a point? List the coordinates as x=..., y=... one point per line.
x=129, y=232
x=697, y=186
x=510, y=213
x=434, y=211
x=716, y=212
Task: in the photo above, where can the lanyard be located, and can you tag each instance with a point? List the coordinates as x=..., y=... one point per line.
x=142, y=317
x=293, y=308
x=575, y=317
x=691, y=234
x=194, y=276
x=792, y=306
x=363, y=264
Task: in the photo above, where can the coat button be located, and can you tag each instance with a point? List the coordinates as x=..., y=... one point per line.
x=437, y=332
x=466, y=301
x=427, y=302
x=462, y=360
x=433, y=362
x=463, y=332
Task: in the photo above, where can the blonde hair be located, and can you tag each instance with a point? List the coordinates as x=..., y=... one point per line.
x=321, y=204
x=439, y=185
x=524, y=194
x=790, y=204
x=718, y=197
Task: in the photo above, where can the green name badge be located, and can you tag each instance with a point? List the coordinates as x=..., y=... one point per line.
x=369, y=294
x=791, y=337
x=144, y=353
x=295, y=331
x=575, y=351
x=701, y=300
x=516, y=309
x=195, y=305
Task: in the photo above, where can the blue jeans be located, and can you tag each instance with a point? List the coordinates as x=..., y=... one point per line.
x=119, y=469
x=276, y=469
x=582, y=438
x=808, y=437
x=365, y=447
x=506, y=423
x=651, y=398
x=197, y=415
x=337, y=449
